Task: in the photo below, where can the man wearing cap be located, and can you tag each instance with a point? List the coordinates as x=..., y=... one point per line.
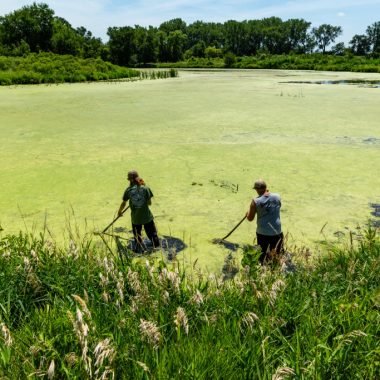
x=267, y=208
x=140, y=198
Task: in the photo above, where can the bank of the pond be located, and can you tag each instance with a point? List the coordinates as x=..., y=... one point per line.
x=53, y=68
x=77, y=311
x=318, y=62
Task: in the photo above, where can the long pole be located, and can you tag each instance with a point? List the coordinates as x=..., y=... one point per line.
x=122, y=213
x=234, y=228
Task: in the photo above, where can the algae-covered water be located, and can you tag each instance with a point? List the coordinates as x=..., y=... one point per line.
x=199, y=141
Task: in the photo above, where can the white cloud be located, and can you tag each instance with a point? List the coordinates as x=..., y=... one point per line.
x=341, y=14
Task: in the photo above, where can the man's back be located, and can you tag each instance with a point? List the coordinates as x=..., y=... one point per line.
x=268, y=214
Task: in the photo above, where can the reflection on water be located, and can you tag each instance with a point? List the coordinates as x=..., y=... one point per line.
x=357, y=82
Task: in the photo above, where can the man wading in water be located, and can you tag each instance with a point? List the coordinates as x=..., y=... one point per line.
x=139, y=196
x=267, y=207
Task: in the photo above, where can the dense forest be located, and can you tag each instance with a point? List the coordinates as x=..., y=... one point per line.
x=35, y=28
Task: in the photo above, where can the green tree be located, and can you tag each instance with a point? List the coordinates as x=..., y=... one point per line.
x=360, y=44
x=274, y=35
x=235, y=37
x=326, y=34
x=173, y=25
x=91, y=46
x=64, y=39
x=373, y=32
x=176, y=42
x=296, y=35
x=32, y=24
x=121, y=44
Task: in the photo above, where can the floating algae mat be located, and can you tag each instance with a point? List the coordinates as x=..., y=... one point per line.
x=199, y=141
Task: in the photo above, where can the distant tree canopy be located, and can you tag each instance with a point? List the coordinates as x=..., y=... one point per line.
x=35, y=28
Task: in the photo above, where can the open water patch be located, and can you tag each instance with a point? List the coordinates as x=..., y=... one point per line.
x=356, y=82
x=375, y=207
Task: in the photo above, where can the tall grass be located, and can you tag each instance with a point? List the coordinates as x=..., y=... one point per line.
x=78, y=312
x=52, y=68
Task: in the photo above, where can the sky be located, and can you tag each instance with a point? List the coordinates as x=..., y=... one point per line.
x=97, y=15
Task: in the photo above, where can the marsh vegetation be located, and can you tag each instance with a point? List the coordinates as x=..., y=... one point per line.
x=78, y=312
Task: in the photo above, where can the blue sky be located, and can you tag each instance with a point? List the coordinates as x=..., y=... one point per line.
x=97, y=15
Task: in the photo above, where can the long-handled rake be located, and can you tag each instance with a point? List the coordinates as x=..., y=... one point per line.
x=119, y=216
x=218, y=241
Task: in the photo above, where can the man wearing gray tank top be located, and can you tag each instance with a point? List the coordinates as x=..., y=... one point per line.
x=267, y=208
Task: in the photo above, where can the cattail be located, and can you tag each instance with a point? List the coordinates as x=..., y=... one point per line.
x=248, y=320
x=6, y=335
x=282, y=373
x=197, y=298
x=181, y=320
x=51, y=370
x=150, y=333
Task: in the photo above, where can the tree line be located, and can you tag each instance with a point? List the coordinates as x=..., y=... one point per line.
x=35, y=28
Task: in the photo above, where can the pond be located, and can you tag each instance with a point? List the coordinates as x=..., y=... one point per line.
x=199, y=141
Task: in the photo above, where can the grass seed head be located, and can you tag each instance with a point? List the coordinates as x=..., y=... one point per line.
x=6, y=335
x=150, y=333
x=282, y=373
x=180, y=320
x=51, y=370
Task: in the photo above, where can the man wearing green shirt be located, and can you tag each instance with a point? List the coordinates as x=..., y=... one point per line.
x=140, y=198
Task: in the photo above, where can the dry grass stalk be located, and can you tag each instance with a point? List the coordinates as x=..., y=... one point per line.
x=150, y=333
x=180, y=320
x=197, y=298
x=83, y=305
x=6, y=335
x=143, y=366
x=51, y=370
x=248, y=320
x=282, y=373
x=276, y=288
x=104, y=351
x=172, y=278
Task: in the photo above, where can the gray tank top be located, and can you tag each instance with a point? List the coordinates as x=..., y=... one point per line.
x=268, y=214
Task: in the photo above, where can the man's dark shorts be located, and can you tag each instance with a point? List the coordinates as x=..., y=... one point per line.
x=268, y=244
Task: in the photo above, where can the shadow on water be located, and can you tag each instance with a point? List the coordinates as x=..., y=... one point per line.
x=357, y=82
x=375, y=222
x=170, y=246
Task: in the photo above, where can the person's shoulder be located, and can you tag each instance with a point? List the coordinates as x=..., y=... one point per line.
x=275, y=195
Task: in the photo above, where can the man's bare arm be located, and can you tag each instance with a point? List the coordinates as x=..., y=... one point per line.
x=252, y=211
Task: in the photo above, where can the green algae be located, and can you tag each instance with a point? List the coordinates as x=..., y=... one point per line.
x=69, y=147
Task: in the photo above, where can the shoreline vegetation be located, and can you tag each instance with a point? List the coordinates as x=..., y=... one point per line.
x=52, y=68
x=81, y=312
x=49, y=68
x=268, y=43
x=317, y=62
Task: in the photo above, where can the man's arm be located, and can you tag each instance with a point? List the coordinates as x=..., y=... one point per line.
x=252, y=211
x=121, y=208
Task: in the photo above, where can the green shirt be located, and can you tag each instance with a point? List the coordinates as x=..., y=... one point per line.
x=139, y=197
